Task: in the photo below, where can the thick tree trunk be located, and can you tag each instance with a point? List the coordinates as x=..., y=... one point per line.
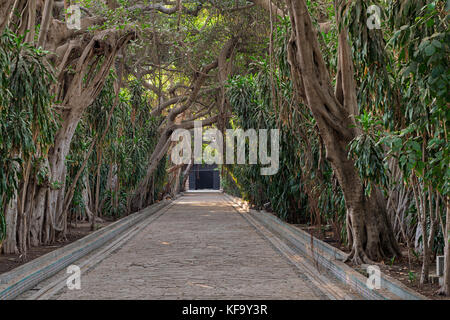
x=372, y=236
x=6, y=7
x=92, y=58
x=55, y=192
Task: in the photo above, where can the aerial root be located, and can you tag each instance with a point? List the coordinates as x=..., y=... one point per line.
x=358, y=257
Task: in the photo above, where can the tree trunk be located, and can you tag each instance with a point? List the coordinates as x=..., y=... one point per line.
x=9, y=245
x=97, y=188
x=37, y=222
x=76, y=92
x=334, y=112
x=269, y=6
x=176, y=185
x=45, y=24
x=445, y=290
x=6, y=7
x=87, y=199
x=31, y=21
x=186, y=174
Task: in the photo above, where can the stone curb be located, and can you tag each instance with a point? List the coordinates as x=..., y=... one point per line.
x=330, y=258
x=25, y=277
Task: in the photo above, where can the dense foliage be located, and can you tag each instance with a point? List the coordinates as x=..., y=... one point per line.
x=27, y=119
x=402, y=73
x=119, y=161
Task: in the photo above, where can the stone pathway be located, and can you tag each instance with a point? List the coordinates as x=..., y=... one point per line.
x=201, y=248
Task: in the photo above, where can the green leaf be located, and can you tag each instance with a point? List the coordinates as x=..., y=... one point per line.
x=430, y=50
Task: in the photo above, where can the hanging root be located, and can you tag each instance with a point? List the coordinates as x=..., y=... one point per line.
x=358, y=257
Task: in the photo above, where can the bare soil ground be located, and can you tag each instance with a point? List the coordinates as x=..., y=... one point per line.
x=11, y=261
x=405, y=269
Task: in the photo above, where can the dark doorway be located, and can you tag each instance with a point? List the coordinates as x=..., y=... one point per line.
x=204, y=180
x=204, y=177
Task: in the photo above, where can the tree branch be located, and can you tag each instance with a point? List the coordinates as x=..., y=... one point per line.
x=167, y=10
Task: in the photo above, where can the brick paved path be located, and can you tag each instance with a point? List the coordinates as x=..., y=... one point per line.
x=201, y=248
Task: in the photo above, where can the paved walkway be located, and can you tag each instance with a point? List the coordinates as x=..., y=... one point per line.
x=201, y=248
